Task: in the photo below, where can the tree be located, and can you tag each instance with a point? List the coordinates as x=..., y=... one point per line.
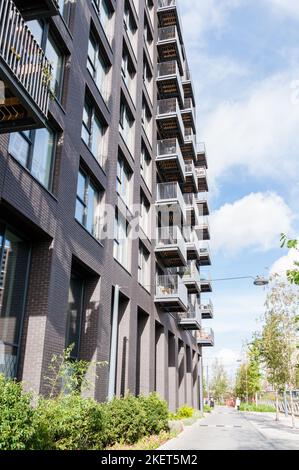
x=248, y=377
x=241, y=382
x=219, y=382
x=292, y=274
x=278, y=340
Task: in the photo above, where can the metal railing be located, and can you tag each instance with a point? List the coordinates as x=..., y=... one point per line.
x=168, y=106
x=203, y=223
x=168, y=68
x=169, y=236
x=190, y=272
x=201, y=147
x=201, y=172
x=205, y=335
x=202, y=197
x=166, y=3
x=208, y=308
x=23, y=56
x=171, y=192
x=190, y=168
x=168, y=33
x=171, y=285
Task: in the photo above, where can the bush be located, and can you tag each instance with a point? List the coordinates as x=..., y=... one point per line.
x=156, y=413
x=16, y=416
x=68, y=422
x=124, y=420
x=207, y=409
x=257, y=408
x=185, y=412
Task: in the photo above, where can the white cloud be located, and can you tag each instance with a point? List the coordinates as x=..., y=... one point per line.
x=259, y=133
x=287, y=7
x=285, y=263
x=255, y=221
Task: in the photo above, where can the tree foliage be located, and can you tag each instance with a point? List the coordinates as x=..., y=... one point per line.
x=292, y=274
x=219, y=382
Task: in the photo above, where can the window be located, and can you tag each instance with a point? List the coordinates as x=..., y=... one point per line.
x=35, y=151
x=55, y=57
x=144, y=267
x=87, y=205
x=147, y=121
x=64, y=9
x=45, y=39
x=128, y=73
x=146, y=166
x=148, y=38
x=130, y=26
x=93, y=132
x=105, y=15
x=75, y=314
x=126, y=125
x=123, y=184
x=144, y=219
x=98, y=66
x=148, y=78
x=122, y=240
x=14, y=262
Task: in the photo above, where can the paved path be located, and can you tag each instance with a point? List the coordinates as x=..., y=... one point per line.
x=228, y=429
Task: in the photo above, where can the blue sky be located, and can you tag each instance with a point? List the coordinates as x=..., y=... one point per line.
x=244, y=58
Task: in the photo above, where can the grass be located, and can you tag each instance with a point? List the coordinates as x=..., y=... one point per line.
x=147, y=443
x=257, y=408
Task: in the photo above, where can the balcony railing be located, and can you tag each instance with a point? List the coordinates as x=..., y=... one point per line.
x=207, y=310
x=168, y=33
x=170, y=193
x=206, y=337
x=190, y=272
x=170, y=286
x=201, y=172
x=201, y=147
x=168, y=106
x=169, y=236
x=169, y=148
x=21, y=55
x=189, y=135
x=166, y=69
x=167, y=3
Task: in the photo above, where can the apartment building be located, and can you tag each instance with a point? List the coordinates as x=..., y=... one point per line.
x=103, y=197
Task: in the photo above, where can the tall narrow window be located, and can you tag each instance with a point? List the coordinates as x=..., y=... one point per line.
x=105, y=15
x=93, y=132
x=144, y=267
x=126, y=125
x=87, y=204
x=14, y=262
x=75, y=315
x=98, y=66
x=146, y=166
x=122, y=240
x=55, y=57
x=35, y=151
x=123, y=185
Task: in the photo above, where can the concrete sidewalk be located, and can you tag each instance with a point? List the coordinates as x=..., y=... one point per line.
x=228, y=429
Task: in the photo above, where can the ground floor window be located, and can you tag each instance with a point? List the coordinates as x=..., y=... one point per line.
x=14, y=263
x=75, y=314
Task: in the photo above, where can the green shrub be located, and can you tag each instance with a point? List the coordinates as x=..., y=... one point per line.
x=185, y=411
x=207, y=409
x=124, y=420
x=257, y=408
x=156, y=413
x=16, y=416
x=68, y=422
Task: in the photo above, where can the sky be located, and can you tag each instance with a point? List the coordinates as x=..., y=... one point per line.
x=244, y=59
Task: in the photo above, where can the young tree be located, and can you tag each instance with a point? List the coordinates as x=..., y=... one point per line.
x=248, y=376
x=278, y=340
x=292, y=274
x=241, y=385
x=219, y=383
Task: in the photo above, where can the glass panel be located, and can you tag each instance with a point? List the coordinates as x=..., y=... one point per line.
x=97, y=139
x=81, y=186
x=37, y=30
x=79, y=214
x=75, y=307
x=42, y=156
x=54, y=56
x=90, y=220
x=19, y=147
x=14, y=263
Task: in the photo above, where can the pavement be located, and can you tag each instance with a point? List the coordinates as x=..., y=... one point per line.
x=229, y=429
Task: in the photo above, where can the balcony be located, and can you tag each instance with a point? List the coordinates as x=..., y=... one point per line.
x=190, y=185
x=207, y=311
x=191, y=320
x=201, y=159
x=189, y=146
x=35, y=9
x=188, y=85
x=202, y=179
x=192, y=244
x=170, y=46
x=203, y=228
x=170, y=160
x=205, y=254
x=171, y=293
x=169, y=119
x=24, y=74
x=169, y=81
x=170, y=198
x=202, y=203
x=192, y=209
x=205, y=284
x=171, y=247
x=205, y=337
x=189, y=114
x=191, y=277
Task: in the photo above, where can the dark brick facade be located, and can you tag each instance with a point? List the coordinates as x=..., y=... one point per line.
x=59, y=241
